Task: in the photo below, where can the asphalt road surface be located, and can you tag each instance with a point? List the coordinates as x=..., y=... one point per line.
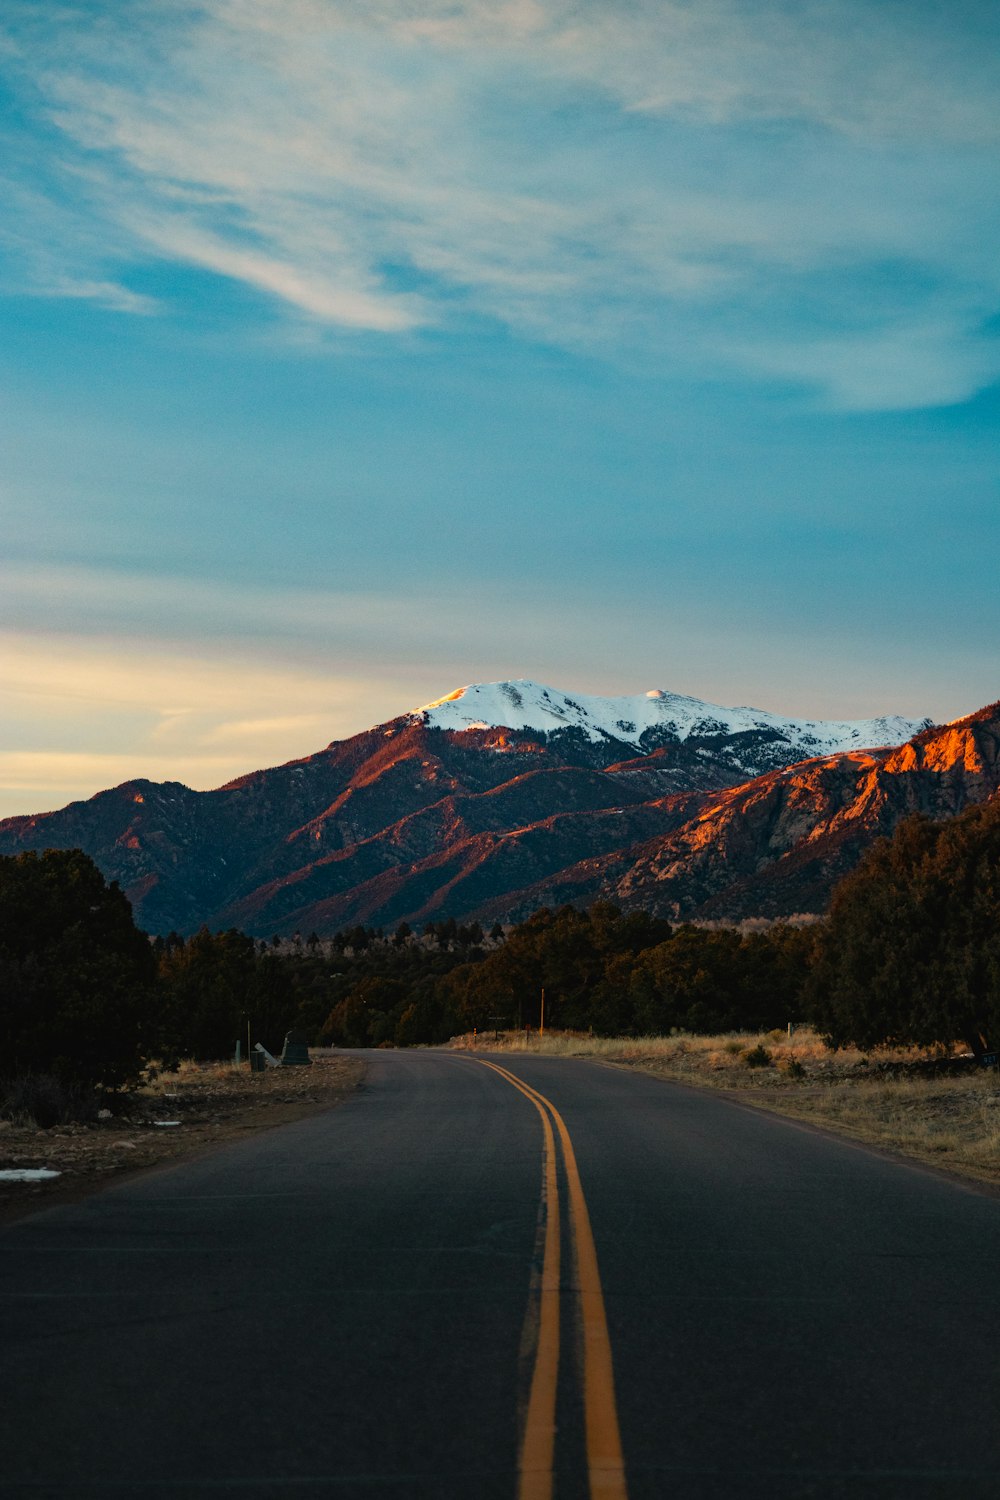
x=385, y=1302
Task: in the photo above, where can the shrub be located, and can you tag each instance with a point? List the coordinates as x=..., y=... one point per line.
x=758, y=1057
x=46, y=1100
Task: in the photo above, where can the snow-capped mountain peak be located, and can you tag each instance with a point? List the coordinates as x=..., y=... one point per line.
x=645, y=720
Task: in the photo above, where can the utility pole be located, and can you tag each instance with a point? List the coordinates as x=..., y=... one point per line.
x=541, y=1028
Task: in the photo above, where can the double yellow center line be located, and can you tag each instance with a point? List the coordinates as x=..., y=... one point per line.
x=605, y=1465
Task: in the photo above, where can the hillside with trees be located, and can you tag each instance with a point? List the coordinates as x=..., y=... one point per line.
x=910, y=954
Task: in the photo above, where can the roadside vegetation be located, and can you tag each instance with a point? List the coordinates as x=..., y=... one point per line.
x=935, y=1104
x=91, y=1009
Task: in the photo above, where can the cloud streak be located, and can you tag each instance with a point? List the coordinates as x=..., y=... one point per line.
x=656, y=178
x=173, y=712
x=109, y=294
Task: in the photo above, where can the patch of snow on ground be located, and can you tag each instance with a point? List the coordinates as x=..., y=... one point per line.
x=27, y=1174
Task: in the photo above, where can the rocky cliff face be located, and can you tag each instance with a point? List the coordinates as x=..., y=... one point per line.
x=414, y=821
x=778, y=844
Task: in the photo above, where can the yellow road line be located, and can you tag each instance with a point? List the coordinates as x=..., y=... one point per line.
x=537, y=1467
x=605, y=1462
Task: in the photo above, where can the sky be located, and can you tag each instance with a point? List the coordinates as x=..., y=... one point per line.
x=350, y=353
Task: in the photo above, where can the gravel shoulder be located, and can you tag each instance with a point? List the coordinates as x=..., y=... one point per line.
x=178, y=1116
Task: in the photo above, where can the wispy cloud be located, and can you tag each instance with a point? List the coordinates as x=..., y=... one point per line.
x=910, y=364
x=322, y=297
x=108, y=294
x=173, y=711
x=345, y=648
x=648, y=177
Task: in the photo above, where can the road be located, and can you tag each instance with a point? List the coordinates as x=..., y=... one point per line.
x=368, y=1303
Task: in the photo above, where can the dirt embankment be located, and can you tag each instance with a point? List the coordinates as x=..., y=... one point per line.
x=179, y=1115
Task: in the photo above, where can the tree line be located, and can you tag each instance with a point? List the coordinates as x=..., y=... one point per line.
x=909, y=952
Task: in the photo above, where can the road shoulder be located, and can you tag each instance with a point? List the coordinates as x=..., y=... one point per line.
x=179, y=1117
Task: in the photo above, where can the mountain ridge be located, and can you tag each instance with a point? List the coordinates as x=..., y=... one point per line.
x=648, y=720
x=417, y=818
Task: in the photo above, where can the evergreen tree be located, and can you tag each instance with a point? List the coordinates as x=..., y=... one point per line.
x=911, y=953
x=76, y=974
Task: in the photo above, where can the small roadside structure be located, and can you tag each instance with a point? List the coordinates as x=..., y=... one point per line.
x=295, y=1053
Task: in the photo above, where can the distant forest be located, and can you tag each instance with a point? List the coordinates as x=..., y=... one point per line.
x=910, y=952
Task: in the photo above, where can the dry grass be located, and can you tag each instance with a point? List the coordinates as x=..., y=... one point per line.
x=905, y=1100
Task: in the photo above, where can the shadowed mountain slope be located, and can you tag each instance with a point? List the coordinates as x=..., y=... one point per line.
x=660, y=801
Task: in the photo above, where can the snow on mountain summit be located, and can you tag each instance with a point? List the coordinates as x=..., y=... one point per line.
x=651, y=718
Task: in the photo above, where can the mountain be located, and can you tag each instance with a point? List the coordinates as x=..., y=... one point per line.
x=778, y=844
x=491, y=801
x=748, y=738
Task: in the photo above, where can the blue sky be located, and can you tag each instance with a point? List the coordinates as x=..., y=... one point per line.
x=350, y=353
